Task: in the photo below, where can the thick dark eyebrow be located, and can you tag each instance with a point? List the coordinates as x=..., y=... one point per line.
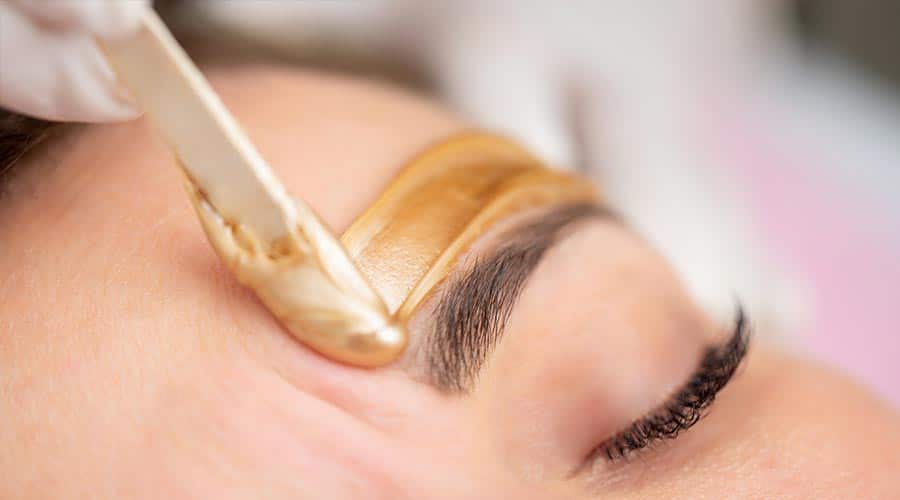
x=474, y=305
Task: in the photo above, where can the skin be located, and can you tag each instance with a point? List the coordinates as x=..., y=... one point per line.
x=132, y=365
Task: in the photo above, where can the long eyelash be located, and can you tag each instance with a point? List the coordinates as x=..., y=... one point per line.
x=689, y=404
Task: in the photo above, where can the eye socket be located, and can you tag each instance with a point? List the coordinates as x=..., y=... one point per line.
x=688, y=405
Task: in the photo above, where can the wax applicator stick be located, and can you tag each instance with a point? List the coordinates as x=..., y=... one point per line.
x=273, y=243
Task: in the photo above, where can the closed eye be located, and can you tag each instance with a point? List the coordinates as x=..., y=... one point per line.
x=687, y=406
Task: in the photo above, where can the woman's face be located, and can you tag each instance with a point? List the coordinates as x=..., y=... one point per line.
x=133, y=365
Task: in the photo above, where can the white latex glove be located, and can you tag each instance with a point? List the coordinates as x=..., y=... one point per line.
x=50, y=67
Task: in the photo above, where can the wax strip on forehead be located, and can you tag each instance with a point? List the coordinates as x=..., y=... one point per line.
x=442, y=201
x=349, y=300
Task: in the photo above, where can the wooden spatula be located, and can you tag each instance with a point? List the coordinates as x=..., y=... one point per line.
x=273, y=243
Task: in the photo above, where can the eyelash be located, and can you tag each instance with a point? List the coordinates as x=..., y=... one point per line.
x=688, y=405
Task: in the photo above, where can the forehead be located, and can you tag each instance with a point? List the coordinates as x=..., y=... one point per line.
x=107, y=210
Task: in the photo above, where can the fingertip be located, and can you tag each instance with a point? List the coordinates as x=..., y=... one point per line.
x=121, y=112
x=78, y=113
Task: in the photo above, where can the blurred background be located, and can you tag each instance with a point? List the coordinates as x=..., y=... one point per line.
x=755, y=142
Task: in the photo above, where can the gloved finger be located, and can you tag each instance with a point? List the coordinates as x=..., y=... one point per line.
x=102, y=18
x=56, y=76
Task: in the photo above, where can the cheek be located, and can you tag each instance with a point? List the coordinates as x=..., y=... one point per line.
x=779, y=430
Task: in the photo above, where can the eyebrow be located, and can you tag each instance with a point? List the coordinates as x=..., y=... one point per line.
x=474, y=306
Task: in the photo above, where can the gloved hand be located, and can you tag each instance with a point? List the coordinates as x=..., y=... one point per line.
x=50, y=66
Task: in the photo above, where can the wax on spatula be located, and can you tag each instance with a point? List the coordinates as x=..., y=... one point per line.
x=273, y=243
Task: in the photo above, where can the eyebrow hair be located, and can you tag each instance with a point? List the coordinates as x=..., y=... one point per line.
x=474, y=305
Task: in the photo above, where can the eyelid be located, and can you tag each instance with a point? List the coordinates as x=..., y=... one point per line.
x=687, y=406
